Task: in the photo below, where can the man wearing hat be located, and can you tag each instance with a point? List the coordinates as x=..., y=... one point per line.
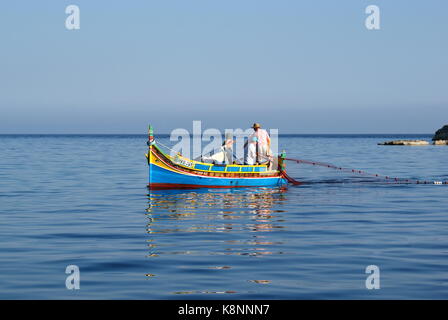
x=259, y=146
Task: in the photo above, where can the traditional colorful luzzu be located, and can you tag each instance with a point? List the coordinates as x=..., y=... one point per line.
x=177, y=172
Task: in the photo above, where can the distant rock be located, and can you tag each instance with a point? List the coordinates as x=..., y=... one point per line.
x=441, y=134
x=405, y=143
x=441, y=142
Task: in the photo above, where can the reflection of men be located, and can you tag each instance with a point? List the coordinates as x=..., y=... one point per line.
x=260, y=140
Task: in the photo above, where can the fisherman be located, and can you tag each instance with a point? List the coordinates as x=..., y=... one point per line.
x=227, y=147
x=252, y=151
x=224, y=155
x=259, y=146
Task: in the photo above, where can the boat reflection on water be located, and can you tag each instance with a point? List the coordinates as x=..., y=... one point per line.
x=194, y=232
x=215, y=210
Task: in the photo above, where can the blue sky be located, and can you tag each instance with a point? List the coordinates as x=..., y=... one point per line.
x=300, y=66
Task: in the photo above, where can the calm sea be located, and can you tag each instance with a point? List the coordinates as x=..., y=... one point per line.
x=82, y=200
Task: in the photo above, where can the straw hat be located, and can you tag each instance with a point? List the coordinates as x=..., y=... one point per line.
x=256, y=125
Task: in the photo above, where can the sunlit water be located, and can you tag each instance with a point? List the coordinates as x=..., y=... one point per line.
x=82, y=200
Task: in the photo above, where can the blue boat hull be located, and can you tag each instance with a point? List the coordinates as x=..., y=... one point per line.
x=162, y=178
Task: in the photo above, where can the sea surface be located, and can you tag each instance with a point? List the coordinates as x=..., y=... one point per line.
x=82, y=200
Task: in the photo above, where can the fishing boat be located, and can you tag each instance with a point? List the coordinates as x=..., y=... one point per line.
x=177, y=172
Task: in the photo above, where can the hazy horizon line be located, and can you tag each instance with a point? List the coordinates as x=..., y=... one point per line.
x=169, y=134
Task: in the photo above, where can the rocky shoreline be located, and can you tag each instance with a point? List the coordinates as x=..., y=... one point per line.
x=441, y=134
x=440, y=139
x=404, y=143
